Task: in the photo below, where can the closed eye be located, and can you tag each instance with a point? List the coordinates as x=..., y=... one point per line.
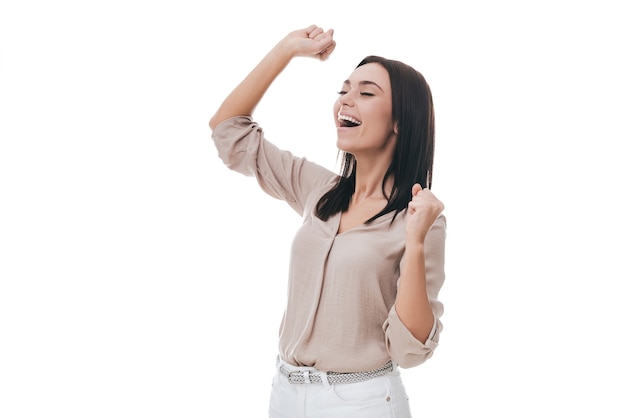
x=363, y=93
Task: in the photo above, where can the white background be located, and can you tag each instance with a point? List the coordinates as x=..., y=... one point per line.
x=141, y=278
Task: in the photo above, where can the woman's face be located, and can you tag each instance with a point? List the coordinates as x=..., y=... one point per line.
x=363, y=112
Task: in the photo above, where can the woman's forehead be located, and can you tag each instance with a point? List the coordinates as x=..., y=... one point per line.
x=369, y=72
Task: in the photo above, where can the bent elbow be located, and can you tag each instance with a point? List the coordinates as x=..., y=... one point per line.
x=213, y=122
x=412, y=360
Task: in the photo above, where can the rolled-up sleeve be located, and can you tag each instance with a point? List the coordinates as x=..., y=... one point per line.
x=402, y=346
x=242, y=146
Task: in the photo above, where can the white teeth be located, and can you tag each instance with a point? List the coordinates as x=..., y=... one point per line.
x=348, y=118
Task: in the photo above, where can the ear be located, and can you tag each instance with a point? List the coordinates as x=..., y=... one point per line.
x=395, y=128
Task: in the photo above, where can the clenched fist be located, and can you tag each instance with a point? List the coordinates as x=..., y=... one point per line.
x=312, y=41
x=423, y=210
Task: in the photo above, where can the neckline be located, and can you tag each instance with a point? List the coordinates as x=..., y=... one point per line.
x=379, y=220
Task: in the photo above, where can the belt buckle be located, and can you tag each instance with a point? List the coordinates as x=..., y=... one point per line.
x=299, y=377
x=292, y=377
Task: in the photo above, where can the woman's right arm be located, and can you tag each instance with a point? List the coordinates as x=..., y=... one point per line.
x=312, y=41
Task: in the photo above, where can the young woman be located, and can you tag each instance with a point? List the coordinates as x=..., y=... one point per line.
x=367, y=263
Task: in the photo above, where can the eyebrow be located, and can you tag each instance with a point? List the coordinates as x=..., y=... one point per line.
x=364, y=83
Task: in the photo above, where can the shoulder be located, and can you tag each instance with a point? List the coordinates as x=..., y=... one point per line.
x=441, y=222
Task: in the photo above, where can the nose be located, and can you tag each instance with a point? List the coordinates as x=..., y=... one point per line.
x=346, y=99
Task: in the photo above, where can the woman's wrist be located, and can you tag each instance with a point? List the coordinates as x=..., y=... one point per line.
x=414, y=245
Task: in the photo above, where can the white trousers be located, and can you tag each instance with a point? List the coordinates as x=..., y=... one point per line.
x=381, y=397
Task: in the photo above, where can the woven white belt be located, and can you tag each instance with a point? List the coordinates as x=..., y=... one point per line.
x=305, y=376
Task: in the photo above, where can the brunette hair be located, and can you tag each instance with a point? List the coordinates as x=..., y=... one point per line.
x=412, y=162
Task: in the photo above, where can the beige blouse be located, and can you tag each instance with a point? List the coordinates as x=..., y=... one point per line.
x=340, y=314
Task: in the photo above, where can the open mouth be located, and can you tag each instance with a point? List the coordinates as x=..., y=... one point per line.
x=346, y=121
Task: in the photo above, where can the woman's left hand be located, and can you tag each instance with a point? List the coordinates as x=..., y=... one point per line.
x=423, y=210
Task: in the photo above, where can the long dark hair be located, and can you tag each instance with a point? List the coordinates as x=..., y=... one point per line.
x=413, y=112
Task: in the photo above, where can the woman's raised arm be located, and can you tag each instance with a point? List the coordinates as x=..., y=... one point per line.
x=312, y=41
